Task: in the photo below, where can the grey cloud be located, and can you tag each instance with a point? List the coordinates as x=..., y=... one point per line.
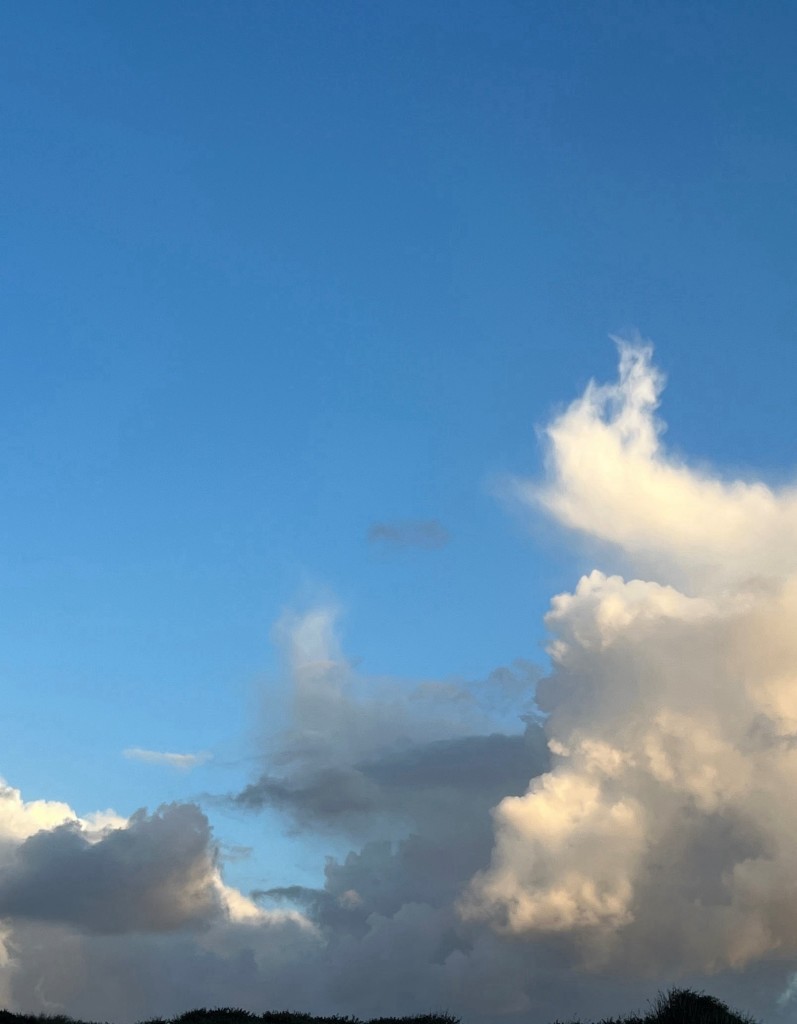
x=155, y=875
x=337, y=913
x=136, y=977
x=400, y=946
x=409, y=533
x=394, y=963
x=424, y=782
x=495, y=762
x=388, y=909
x=313, y=796
x=373, y=757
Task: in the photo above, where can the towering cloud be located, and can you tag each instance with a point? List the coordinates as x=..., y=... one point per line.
x=663, y=836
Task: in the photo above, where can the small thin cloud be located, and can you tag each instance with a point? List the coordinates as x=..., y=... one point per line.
x=788, y=994
x=184, y=762
x=409, y=533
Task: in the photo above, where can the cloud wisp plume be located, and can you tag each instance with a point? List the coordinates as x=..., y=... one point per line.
x=362, y=751
x=611, y=478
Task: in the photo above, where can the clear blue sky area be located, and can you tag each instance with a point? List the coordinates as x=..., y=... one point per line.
x=276, y=272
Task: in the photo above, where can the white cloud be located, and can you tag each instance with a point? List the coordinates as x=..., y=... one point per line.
x=20, y=819
x=611, y=478
x=183, y=762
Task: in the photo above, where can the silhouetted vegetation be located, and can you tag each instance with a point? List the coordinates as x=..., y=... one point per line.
x=231, y=1015
x=682, y=1006
x=678, y=1006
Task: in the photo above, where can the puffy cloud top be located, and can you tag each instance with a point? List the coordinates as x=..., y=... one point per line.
x=611, y=478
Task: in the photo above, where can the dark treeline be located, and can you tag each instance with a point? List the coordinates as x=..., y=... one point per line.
x=678, y=1006
x=229, y=1015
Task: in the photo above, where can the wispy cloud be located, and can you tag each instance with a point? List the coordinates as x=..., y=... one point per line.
x=183, y=762
x=409, y=533
x=361, y=747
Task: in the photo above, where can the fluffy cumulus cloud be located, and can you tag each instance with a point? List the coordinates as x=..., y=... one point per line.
x=633, y=829
x=662, y=838
x=611, y=478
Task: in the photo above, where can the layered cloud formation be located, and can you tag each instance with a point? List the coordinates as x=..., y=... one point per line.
x=634, y=829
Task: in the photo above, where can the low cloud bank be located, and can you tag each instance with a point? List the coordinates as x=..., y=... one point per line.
x=635, y=830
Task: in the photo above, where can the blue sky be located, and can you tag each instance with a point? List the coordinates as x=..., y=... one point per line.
x=277, y=273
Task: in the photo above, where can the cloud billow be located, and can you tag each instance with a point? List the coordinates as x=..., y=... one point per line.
x=156, y=874
x=660, y=838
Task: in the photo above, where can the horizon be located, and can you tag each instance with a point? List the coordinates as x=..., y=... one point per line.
x=400, y=490
x=677, y=1006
